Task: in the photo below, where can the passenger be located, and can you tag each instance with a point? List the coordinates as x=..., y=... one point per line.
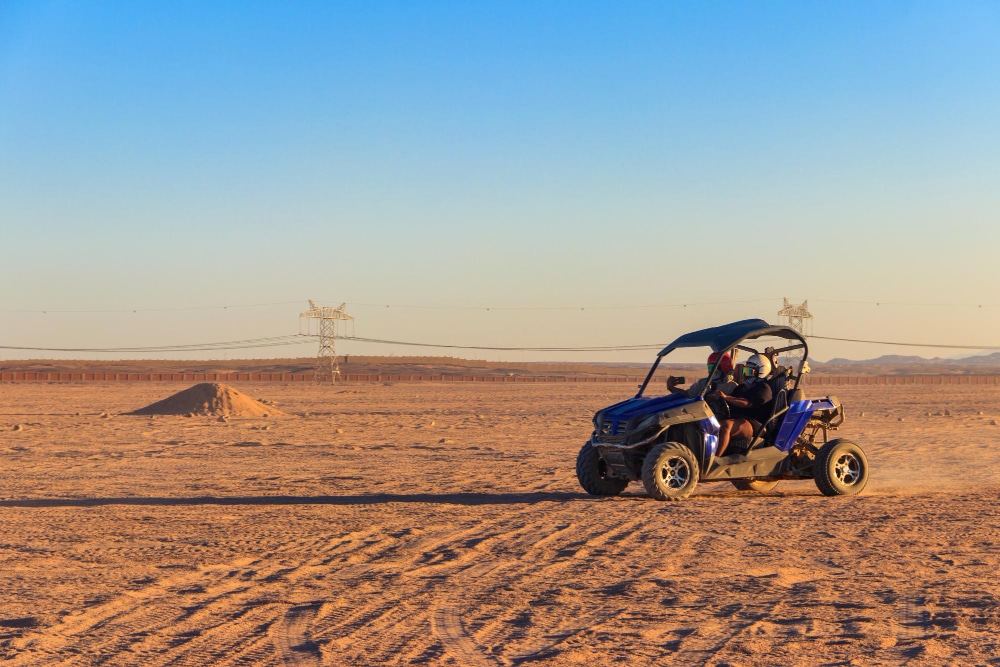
x=749, y=404
x=724, y=381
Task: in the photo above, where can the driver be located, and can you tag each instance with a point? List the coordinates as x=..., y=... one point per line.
x=724, y=381
x=749, y=404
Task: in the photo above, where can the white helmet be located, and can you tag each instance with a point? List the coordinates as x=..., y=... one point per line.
x=757, y=366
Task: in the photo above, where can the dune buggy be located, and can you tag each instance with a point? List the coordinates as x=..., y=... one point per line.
x=669, y=442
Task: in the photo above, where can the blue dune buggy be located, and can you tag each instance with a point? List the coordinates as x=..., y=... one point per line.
x=669, y=442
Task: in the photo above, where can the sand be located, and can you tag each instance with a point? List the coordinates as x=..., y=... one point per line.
x=443, y=524
x=210, y=399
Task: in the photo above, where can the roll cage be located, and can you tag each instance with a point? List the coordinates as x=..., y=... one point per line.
x=734, y=336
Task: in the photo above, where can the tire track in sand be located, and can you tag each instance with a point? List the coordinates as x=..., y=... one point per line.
x=447, y=625
x=291, y=637
x=201, y=615
x=532, y=554
x=115, y=623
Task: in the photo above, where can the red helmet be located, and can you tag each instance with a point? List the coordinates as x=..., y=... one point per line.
x=724, y=360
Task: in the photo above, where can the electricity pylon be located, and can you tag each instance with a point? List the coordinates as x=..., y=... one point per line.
x=797, y=317
x=326, y=359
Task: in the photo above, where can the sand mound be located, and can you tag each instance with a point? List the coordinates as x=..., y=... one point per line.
x=211, y=399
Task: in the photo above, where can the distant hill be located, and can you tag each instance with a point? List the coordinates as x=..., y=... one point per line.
x=892, y=364
x=884, y=359
x=980, y=360
x=983, y=360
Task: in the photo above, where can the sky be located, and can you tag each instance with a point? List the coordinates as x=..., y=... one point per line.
x=498, y=174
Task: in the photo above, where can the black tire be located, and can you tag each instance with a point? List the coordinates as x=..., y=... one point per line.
x=670, y=471
x=758, y=485
x=592, y=472
x=841, y=469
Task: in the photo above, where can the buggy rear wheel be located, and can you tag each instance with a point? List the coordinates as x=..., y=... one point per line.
x=840, y=469
x=758, y=485
x=670, y=471
x=592, y=472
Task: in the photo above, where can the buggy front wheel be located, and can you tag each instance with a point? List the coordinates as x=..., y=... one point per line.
x=592, y=472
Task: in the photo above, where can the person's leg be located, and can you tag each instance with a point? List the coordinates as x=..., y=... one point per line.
x=740, y=429
x=725, y=427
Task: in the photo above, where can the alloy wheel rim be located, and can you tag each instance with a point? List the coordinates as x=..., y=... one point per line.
x=674, y=473
x=847, y=469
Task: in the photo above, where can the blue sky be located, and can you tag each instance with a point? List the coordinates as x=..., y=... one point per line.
x=159, y=156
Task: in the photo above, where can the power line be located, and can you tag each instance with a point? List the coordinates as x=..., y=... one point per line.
x=274, y=341
x=680, y=304
x=655, y=346
x=908, y=304
x=298, y=339
x=594, y=348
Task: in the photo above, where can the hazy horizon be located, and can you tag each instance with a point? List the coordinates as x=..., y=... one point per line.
x=690, y=359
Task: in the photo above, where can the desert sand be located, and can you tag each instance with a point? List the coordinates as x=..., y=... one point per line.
x=433, y=523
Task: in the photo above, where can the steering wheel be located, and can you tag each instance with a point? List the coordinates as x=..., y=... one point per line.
x=720, y=408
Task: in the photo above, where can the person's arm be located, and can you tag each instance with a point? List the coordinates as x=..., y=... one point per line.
x=756, y=397
x=734, y=401
x=696, y=388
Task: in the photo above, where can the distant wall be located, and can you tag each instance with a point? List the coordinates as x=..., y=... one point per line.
x=29, y=376
x=811, y=380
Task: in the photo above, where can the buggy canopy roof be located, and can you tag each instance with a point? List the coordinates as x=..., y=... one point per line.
x=728, y=335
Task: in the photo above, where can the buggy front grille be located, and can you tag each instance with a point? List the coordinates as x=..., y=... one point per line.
x=610, y=427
